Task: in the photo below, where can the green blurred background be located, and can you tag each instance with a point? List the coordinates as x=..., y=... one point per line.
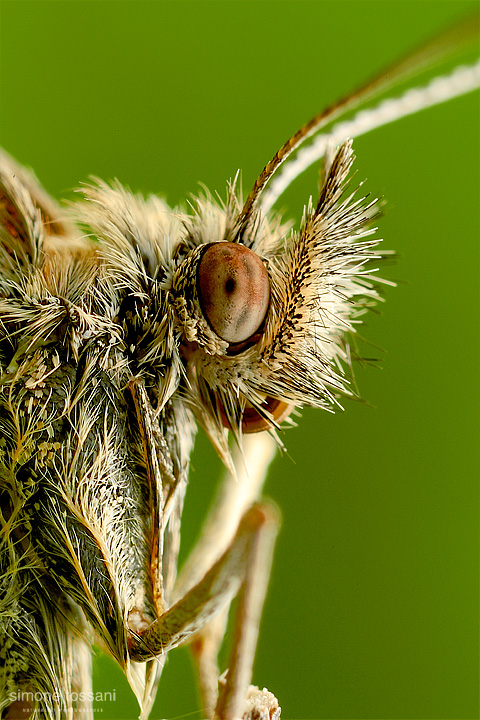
x=373, y=606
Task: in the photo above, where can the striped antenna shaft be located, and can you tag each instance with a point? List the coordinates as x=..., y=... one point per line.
x=447, y=43
x=460, y=81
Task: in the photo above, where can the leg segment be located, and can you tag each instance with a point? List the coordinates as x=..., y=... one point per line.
x=231, y=701
x=223, y=563
x=200, y=604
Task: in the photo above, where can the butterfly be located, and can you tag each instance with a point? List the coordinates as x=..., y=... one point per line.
x=125, y=325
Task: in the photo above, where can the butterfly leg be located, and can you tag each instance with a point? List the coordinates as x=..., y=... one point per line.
x=237, y=698
x=235, y=495
x=244, y=565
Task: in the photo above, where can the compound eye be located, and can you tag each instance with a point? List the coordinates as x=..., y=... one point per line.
x=234, y=290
